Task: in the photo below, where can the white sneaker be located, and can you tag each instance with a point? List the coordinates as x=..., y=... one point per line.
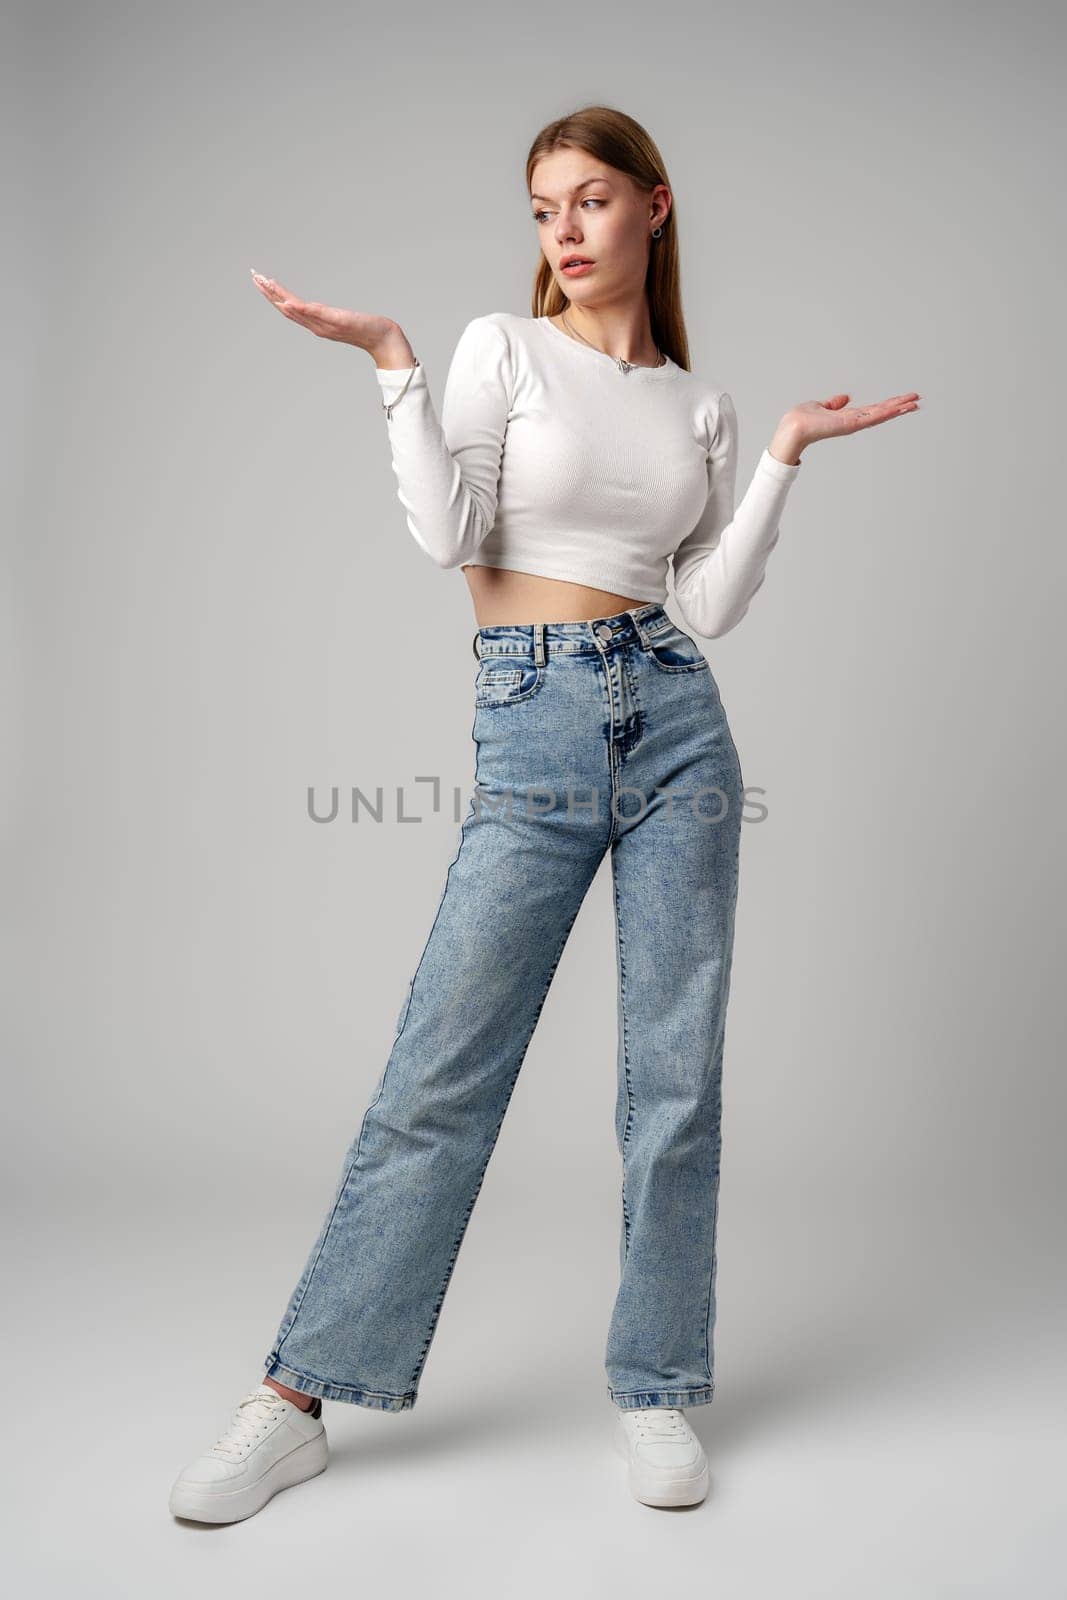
x=269, y=1445
x=668, y=1466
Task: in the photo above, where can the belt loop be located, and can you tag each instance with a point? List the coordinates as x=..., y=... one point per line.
x=539, y=644
x=642, y=631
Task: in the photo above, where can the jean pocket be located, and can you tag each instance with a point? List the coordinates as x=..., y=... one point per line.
x=498, y=683
x=672, y=650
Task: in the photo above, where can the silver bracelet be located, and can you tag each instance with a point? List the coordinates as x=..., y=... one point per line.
x=388, y=409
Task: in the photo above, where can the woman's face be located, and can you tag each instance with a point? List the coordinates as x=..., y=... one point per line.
x=582, y=207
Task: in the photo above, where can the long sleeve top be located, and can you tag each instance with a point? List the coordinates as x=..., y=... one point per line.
x=548, y=458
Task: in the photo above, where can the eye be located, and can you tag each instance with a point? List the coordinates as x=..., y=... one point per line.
x=590, y=199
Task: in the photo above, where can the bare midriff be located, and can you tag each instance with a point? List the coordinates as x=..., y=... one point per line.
x=501, y=596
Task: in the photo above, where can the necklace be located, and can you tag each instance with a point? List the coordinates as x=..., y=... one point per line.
x=623, y=366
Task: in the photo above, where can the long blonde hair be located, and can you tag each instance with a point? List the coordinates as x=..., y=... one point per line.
x=620, y=142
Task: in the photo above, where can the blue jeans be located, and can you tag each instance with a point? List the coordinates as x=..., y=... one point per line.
x=590, y=736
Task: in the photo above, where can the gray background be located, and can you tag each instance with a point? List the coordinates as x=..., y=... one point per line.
x=212, y=601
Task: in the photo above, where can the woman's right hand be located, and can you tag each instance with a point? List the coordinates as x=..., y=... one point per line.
x=381, y=337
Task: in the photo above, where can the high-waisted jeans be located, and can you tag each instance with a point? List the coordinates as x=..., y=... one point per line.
x=590, y=736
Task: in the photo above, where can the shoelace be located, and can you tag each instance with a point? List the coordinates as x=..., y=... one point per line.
x=661, y=1422
x=253, y=1412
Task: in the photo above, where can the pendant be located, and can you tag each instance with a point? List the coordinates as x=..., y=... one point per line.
x=624, y=366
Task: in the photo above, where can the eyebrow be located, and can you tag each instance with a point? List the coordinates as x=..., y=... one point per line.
x=583, y=185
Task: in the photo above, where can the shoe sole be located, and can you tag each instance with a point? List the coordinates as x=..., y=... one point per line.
x=652, y=1491
x=197, y=1504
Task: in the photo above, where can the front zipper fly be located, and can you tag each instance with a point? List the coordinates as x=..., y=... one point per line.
x=612, y=752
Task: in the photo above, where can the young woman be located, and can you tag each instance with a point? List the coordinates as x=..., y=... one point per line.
x=576, y=456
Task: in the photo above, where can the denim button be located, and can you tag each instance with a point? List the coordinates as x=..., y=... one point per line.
x=603, y=631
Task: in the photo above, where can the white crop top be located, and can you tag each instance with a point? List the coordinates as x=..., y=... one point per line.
x=549, y=459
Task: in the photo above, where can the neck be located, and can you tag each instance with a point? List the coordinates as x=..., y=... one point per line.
x=625, y=333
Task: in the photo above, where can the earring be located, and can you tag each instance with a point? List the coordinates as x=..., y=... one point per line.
x=656, y=231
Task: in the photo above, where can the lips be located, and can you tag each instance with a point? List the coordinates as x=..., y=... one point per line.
x=575, y=261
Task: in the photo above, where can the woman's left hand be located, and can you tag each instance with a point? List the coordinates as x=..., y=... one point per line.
x=826, y=419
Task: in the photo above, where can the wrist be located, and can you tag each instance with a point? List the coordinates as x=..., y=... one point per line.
x=787, y=445
x=393, y=350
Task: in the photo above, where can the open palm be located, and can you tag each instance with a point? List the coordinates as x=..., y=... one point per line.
x=364, y=329
x=825, y=419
